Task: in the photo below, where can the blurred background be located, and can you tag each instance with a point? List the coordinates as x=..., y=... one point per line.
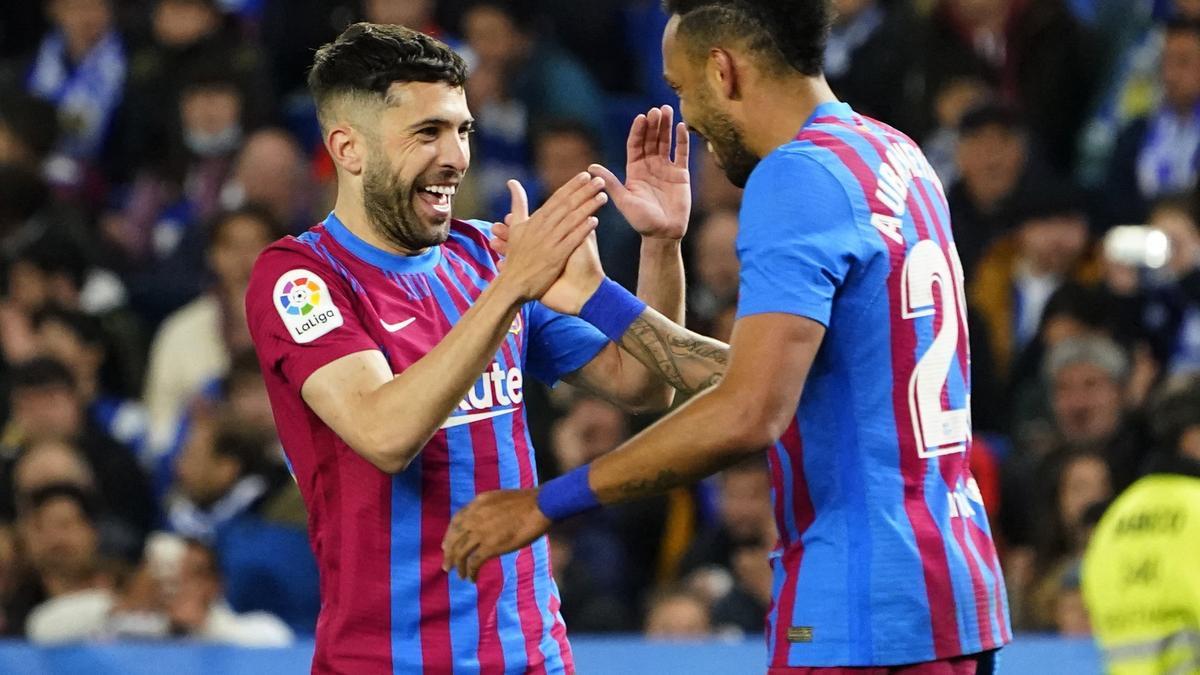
x=150, y=149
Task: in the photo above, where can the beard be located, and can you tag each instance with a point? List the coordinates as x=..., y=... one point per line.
x=736, y=159
x=389, y=206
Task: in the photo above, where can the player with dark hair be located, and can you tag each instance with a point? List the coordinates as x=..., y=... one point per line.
x=394, y=344
x=849, y=362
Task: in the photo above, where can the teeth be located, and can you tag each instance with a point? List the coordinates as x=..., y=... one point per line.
x=447, y=190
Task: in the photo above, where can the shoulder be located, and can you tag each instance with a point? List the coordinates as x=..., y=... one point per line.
x=797, y=182
x=293, y=255
x=475, y=236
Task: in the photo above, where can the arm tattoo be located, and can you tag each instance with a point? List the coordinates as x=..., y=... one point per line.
x=645, y=487
x=688, y=362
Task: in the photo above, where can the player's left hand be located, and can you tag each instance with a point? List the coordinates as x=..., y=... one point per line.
x=656, y=197
x=493, y=524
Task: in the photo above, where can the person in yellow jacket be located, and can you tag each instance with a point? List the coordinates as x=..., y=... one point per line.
x=1141, y=571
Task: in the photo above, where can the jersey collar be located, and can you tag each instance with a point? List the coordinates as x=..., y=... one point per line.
x=385, y=260
x=836, y=109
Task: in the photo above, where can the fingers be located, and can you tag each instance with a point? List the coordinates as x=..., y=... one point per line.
x=665, y=126
x=653, y=122
x=635, y=147
x=520, y=200
x=612, y=184
x=683, y=145
x=566, y=198
x=499, y=240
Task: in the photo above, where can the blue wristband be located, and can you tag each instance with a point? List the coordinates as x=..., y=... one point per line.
x=567, y=495
x=612, y=309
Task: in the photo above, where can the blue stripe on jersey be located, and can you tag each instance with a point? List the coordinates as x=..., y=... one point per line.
x=464, y=596
x=474, y=249
x=512, y=638
x=778, y=574
x=988, y=583
x=883, y=525
x=405, y=566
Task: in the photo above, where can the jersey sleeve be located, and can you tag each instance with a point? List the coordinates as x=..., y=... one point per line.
x=797, y=238
x=301, y=316
x=559, y=344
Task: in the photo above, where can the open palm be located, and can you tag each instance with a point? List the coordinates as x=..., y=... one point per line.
x=656, y=197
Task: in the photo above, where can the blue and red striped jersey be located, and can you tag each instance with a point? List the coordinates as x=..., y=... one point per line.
x=387, y=606
x=885, y=554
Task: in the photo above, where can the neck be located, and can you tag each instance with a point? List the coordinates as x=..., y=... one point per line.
x=779, y=115
x=78, y=49
x=353, y=214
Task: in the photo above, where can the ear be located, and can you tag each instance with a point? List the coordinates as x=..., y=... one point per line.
x=722, y=73
x=347, y=148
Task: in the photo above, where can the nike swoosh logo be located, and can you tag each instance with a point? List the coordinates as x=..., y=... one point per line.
x=467, y=419
x=394, y=327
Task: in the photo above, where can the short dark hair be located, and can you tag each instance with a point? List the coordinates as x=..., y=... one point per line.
x=85, y=327
x=991, y=114
x=57, y=254
x=1182, y=24
x=41, y=372
x=565, y=126
x=789, y=33
x=247, y=444
x=86, y=501
x=216, y=226
x=367, y=58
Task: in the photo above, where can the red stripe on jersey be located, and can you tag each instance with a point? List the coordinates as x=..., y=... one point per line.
x=527, y=605
x=952, y=467
x=934, y=562
x=436, y=653
x=987, y=549
x=491, y=574
x=559, y=631
x=487, y=477
x=793, y=555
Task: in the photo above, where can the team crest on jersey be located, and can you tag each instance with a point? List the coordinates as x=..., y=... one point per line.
x=303, y=302
x=517, y=324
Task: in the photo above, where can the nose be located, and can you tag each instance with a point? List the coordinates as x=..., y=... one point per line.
x=455, y=153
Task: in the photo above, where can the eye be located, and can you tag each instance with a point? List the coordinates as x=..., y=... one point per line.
x=466, y=131
x=429, y=133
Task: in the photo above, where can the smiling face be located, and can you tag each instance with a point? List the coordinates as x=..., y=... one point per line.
x=417, y=154
x=701, y=108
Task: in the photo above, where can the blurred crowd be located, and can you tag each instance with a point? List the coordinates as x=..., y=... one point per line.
x=149, y=149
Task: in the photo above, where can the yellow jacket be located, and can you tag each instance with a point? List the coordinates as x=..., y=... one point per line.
x=1141, y=578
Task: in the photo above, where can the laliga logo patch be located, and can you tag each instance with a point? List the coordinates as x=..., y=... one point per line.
x=303, y=302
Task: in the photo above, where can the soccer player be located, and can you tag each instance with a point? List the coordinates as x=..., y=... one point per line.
x=395, y=351
x=848, y=361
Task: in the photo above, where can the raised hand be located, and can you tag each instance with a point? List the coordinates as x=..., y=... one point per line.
x=580, y=278
x=538, y=246
x=494, y=523
x=656, y=197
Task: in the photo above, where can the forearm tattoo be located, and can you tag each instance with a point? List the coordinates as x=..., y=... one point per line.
x=645, y=487
x=688, y=362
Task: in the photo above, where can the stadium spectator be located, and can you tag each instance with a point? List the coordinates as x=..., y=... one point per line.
x=561, y=150
x=187, y=35
x=232, y=494
x=1018, y=274
x=676, y=614
x=591, y=602
x=1034, y=53
x=869, y=55
x=45, y=406
x=1139, y=572
x=716, y=265
x=955, y=99
x=519, y=81
x=1159, y=154
x=192, y=349
x=69, y=577
x=28, y=130
x=416, y=14
x=78, y=342
x=81, y=67
x=743, y=608
x=744, y=514
x=173, y=195
x=270, y=171
x=994, y=164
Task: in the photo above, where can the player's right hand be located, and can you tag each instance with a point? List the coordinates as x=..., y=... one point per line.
x=539, y=245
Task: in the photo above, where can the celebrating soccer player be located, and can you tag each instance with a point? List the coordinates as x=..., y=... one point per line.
x=848, y=361
x=395, y=351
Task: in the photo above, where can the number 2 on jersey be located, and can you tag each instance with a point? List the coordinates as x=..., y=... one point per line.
x=928, y=270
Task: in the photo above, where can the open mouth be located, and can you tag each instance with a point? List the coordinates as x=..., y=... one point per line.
x=437, y=198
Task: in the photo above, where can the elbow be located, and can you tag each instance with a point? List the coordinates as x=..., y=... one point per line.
x=389, y=455
x=755, y=428
x=653, y=401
